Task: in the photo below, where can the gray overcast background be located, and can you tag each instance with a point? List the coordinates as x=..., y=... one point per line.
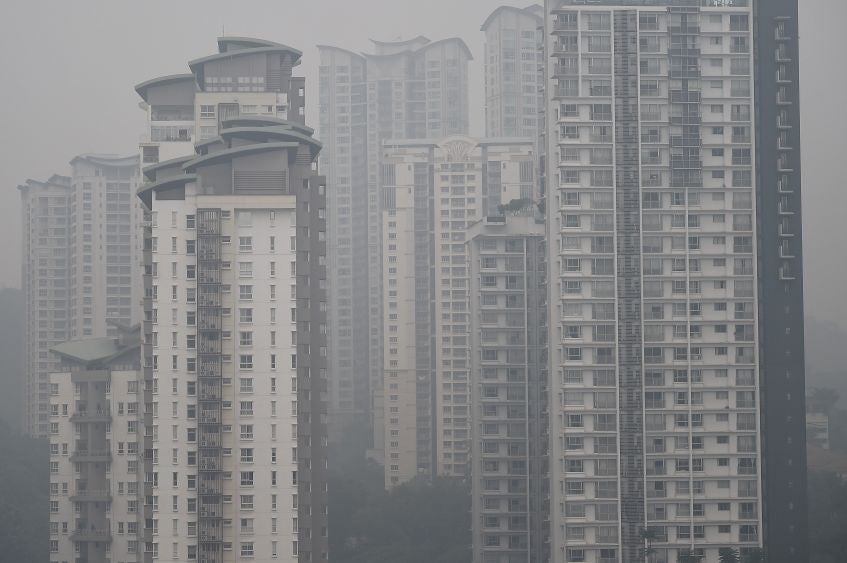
x=68, y=70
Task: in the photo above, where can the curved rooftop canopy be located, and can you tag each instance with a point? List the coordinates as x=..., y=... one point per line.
x=197, y=64
x=144, y=87
x=265, y=120
x=325, y=47
x=280, y=132
x=145, y=192
x=107, y=159
x=229, y=44
x=55, y=180
x=462, y=45
x=531, y=11
x=228, y=154
x=150, y=171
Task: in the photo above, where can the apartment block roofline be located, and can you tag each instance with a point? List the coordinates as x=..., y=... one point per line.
x=420, y=49
x=107, y=159
x=145, y=192
x=324, y=47
x=264, y=121
x=98, y=350
x=196, y=65
x=229, y=44
x=56, y=180
x=262, y=134
x=531, y=11
x=399, y=43
x=217, y=157
x=143, y=87
x=482, y=141
x=150, y=171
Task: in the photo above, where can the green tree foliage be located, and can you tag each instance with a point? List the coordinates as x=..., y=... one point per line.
x=827, y=518
x=11, y=356
x=24, y=496
x=728, y=555
x=419, y=522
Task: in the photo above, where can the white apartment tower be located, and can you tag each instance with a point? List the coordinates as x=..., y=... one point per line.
x=105, y=245
x=81, y=264
x=654, y=342
x=96, y=450
x=432, y=191
x=513, y=79
x=412, y=89
x=235, y=325
x=44, y=279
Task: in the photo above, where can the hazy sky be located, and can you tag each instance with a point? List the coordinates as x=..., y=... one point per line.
x=68, y=69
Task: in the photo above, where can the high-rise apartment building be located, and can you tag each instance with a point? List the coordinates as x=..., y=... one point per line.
x=512, y=77
x=235, y=327
x=343, y=131
x=411, y=89
x=96, y=452
x=105, y=245
x=508, y=389
x=431, y=192
x=675, y=293
x=44, y=279
x=81, y=264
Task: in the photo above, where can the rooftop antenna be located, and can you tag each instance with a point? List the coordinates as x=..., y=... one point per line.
x=223, y=30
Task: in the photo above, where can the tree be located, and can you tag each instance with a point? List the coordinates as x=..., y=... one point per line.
x=649, y=536
x=827, y=517
x=823, y=400
x=514, y=207
x=754, y=555
x=419, y=522
x=728, y=555
x=688, y=556
x=24, y=497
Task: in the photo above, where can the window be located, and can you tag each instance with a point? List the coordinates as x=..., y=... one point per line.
x=245, y=244
x=246, y=454
x=245, y=269
x=245, y=315
x=245, y=292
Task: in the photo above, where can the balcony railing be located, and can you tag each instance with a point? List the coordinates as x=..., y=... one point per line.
x=91, y=455
x=91, y=535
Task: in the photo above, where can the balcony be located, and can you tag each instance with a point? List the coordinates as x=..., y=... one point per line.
x=785, y=274
x=91, y=534
x=91, y=416
x=783, y=208
x=562, y=70
x=91, y=456
x=559, y=26
x=92, y=495
x=210, y=511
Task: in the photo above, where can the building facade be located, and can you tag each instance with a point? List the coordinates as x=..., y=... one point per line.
x=411, y=89
x=96, y=456
x=105, y=245
x=666, y=222
x=44, y=279
x=81, y=265
x=512, y=77
x=509, y=386
x=235, y=346
x=432, y=191
x=343, y=131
